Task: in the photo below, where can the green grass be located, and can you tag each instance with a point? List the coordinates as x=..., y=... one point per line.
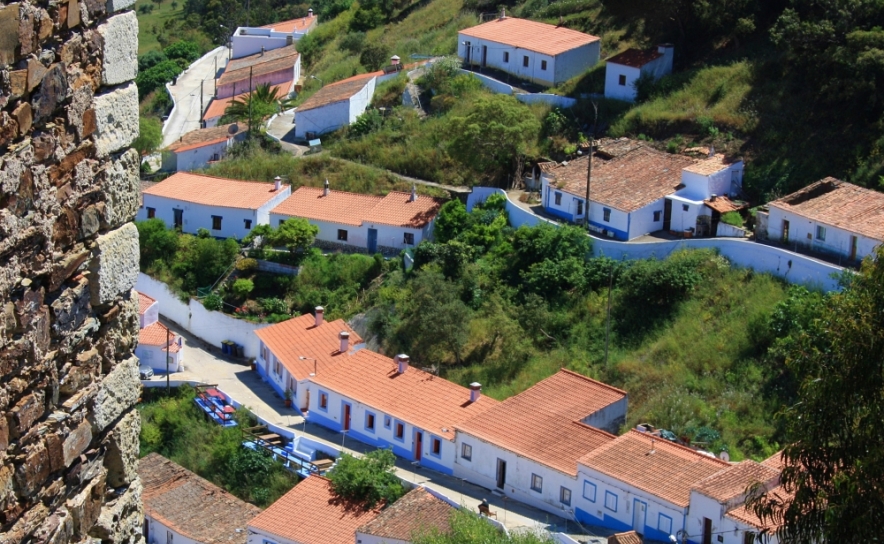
x=161, y=16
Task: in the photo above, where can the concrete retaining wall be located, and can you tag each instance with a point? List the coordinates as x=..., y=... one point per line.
x=553, y=100
x=277, y=268
x=492, y=84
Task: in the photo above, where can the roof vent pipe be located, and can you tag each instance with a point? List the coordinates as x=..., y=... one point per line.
x=413, y=193
x=310, y=12
x=345, y=341
x=325, y=190
x=320, y=314
x=502, y=14
x=403, y=363
x=277, y=183
x=711, y=151
x=475, y=391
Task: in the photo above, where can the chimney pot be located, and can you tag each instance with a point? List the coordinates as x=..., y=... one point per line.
x=413, y=193
x=325, y=190
x=345, y=341
x=277, y=183
x=475, y=391
x=320, y=313
x=502, y=13
x=403, y=360
x=711, y=151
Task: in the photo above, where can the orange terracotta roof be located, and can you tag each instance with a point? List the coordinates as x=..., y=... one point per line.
x=398, y=210
x=219, y=105
x=428, y=402
x=630, y=537
x=658, y=467
x=157, y=334
x=192, y=506
x=709, y=165
x=723, y=204
x=415, y=512
x=144, y=302
x=838, y=204
x=627, y=182
x=300, y=337
x=775, y=461
x=312, y=514
x=260, y=64
x=292, y=25
x=202, y=137
x=733, y=481
x=543, y=422
x=748, y=517
x=336, y=92
x=395, y=209
x=214, y=191
x=635, y=57
x=531, y=35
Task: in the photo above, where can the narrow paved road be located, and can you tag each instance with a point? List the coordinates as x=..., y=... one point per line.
x=186, y=92
x=409, y=179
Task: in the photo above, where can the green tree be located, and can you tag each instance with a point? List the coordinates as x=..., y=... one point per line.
x=243, y=287
x=495, y=134
x=258, y=235
x=150, y=135
x=188, y=51
x=451, y=221
x=439, y=318
x=262, y=103
x=369, y=480
x=466, y=527
x=296, y=234
x=156, y=76
x=834, y=466
x=156, y=242
x=374, y=56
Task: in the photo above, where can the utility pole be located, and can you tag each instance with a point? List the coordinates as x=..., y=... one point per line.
x=201, y=102
x=168, y=354
x=250, y=101
x=589, y=165
x=608, y=320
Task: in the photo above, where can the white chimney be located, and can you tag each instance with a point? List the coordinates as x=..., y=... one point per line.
x=502, y=14
x=310, y=12
x=711, y=151
x=345, y=341
x=325, y=190
x=403, y=363
x=413, y=193
x=394, y=60
x=475, y=391
x=277, y=183
x=320, y=313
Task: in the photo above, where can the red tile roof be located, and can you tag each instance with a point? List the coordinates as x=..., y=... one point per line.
x=723, y=204
x=531, y=35
x=157, y=334
x=336, y=92
x=202, y=137
x=312, y=514
x=395, y=209
x=219, y=105
x=543, y=423
x=417, y=511
x=709, y=165
x=733, y=481
x=635, y=58
x=260, y=64
x=300, y=337
x=428, y=402
x=292, y=25
x=748, y=517
x=627, y=182
x=656, y=466
x=775, y=461
x=630, y=537
x=214, y=191
x=144, y=302
x=192, y=506
x=839, y=204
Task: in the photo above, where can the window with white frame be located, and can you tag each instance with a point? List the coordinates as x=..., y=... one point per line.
x=610, y=501
x=664, y=524
x=466, y=452
x=685, y=207
x=536, y=483
x=821, y=233
x=589, y=490
x=621, y=80
x=565, y=496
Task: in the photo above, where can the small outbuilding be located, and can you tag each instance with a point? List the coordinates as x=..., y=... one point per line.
x=623, y=70
x=249, y=40
x=198, y=148
x=158, y=347
x=334, y=106
x=265, y=67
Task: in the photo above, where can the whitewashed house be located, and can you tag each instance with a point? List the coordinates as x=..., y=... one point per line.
x=158, y=347
x=640, y=482
x=198, y=148
x=418, y=511
x=537, y=52
x=227, y=208
x=290, y=351
x=182, y=508
x=636, y=189
x=830, y=217
x=624, y=69
x=248, y=40
x=527, y=446
x=279, y=66
x=396, y=221
x=390, y=404
x=335, y=105
x=217, y=107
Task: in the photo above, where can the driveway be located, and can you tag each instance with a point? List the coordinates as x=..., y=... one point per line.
x=186, y=92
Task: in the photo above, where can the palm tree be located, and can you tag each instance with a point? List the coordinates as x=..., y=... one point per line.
x=263, y=102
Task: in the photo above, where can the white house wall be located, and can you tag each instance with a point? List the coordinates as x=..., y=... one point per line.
x=150, y=316
x=263, y=537
x=802, y=232
x=263, y=212
x=360, y=100
x=194, y=159
x=482, y=470
x=613, y=89
x=682, y=219
x=362, y=538
x=251, y=43
x=575, y=61
x=159, y=533
x=357, y=236
x=155, y=358
x=323, y=119
x=610, y=418
x=731, y=531
x=641, y=221
x=273, y=78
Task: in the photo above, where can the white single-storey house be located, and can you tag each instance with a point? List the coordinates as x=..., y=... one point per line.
x=537, y=52
x=198, y=148
x=274, y=67
x=248, y=40
x=636, y=189
x=396, y=221
x=830, y=217
x=641, y=482
x=157, y=345
x=227, y=208
x=218, y=106
x=624, y=69
x=527, y=446
x=389, y=404
x=177, y=502
x=335, y=105
x=417, y=511
x=291, y=351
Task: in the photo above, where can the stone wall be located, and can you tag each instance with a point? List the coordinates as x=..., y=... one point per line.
x=68, y=261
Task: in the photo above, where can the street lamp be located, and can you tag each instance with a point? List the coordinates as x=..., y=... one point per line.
x=317, y=79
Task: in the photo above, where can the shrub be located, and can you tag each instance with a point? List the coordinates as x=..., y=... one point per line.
x=246, y=265
x=156, y=77
x=213, y=302
x=353, y=42
x=150, y=135
x=369, y=480
x=242, y=287
x=156, y=241
x=188, y=51
x=274, y=305
x=369, y=121
x=732, y=218
x=150, y=59
x=374, y=56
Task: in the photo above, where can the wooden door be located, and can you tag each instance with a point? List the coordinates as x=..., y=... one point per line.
x=501, y=473
x=667, y=215
x=853, y=244
x=346, y=421
x=785, y=231
x=707, y=531
x=418, y=445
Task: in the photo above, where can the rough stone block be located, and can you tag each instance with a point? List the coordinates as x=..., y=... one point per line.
x=114, y=267
x=24, y=116
x=76, y=443
x=118, y=5
x=86, y=506
x=120, y=185
x=9, y=17
x=26, y=412
x=53, y=91
x=121, y=459
x=118, y=392
x=31, y=474
x=119, y=36
x=116, y=118
x=121, y=520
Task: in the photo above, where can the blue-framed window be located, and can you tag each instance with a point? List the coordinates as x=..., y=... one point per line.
x=589, y=490
x=387, y=422
x=369, y=421
x=537, y=483
x=435, y=447
x=664, y=524
x=606, y=214
x=399, y=431
x=610, y=501
x=323, y=401
x=558, y=196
